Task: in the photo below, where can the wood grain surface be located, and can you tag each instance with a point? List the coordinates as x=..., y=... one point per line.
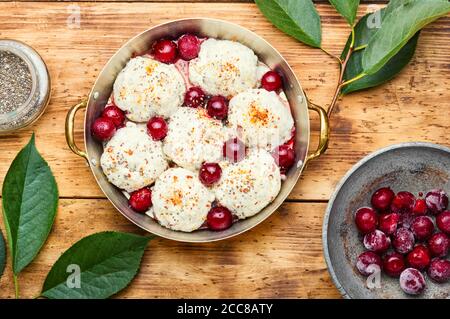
x=282, y=257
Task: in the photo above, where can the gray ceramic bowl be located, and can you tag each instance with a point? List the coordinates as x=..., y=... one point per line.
x=414, y=167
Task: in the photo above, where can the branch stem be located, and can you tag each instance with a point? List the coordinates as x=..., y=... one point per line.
x=16, y=286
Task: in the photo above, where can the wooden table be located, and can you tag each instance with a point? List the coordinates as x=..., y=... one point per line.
x=283, y=256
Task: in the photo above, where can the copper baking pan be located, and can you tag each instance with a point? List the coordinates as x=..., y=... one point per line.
x=102, y=89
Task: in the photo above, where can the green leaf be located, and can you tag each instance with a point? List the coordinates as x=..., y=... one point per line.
x=397, y=28
x=297, y=18
x=107, y=262
x=2, y=254
x=347, y=8
x=363, y=34
x=30, y=201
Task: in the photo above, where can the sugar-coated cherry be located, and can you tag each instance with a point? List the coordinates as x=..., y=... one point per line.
x=188, y=47
x=219, y=218
x=439, y=245
x=437, y=201
x=271, y=81
x=217, y=107
x=422, y=227
x=443, y=222
x=382, y=198
x=393, y=264
x=367, y=263
x=377, y=241
x=284, y=156
x=419, y=257
x=157, y=128
x=403, y=202
x=210, y=173
x=103, y=129
x=412, y=281
x=194, y=97
x=388, y=223
x=439, y=270
x=165, y=51
x=113, y=113
x=403, y=240
x=141, y=200
x=420, y=207
x=366, y=220
x=234, y=150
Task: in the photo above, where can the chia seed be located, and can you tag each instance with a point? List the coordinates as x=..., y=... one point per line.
x=15, y=82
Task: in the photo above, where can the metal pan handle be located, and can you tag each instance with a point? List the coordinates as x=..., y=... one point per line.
x=70, y=119
x=324, y=131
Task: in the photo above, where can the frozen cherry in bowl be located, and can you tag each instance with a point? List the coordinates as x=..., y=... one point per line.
x=284, y=156
x=422, y=227
x=412, y=281
x=388, y=223
x=188, y=47
x=210, y=173
x=234, y=150
x=271, y=81
x=403, y=202
x=219, y=218
x=393, y=264
x=443, y=221
x=217, y=107
x=165, y=51
x=366, y=220
x=403, y=240
x=141, y=200
x=157, y=128
x=419, y=257
x=194, y=97
x=376, y=241
x=103, y=129
x=382, y=198
x=439, y=270
x=420, y=207
x=115, y=114
x=439, y=245
x=367, y=263
x=437, y=201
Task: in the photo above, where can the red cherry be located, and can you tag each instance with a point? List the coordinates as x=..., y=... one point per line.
x=420, y=207
x=439, y=270
x=388, y=223
x=103, y=129
x=217, y=107
x=141, y=200
x=443, y=222
x=367, y=262
x=439, y=245
x=188, y=47
x=210, y=173
x=419, y=257
x=234, y=150
x=382, y=198
x=271, y=81
x=393, y=264
x=376, y=241
x=284, y=156
x=115, y=114
x=219, y=218
x=412, y=281
x=403, y=202
x=422, y=227
x=403, y=240
x=437, y=201
x=157, y=128
x=366, y=220
x=165, y=51
x=194, y=97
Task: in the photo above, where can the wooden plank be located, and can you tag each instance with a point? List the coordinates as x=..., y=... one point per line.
x=412, y=107
x=281, y=258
